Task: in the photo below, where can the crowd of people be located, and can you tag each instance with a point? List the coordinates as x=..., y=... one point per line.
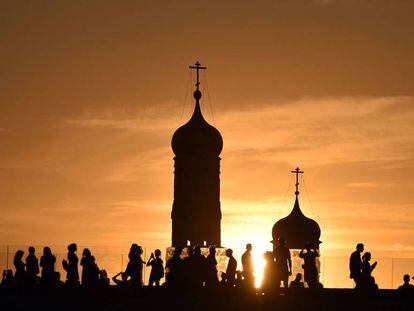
x=191, y=271
x=27, y=272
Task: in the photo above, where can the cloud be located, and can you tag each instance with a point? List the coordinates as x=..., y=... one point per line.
x=367, y=184
x=109, y=173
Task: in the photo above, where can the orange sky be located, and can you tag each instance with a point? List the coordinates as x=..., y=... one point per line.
x=92, y=91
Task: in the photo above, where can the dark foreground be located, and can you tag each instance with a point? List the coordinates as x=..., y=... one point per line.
x=115, y=298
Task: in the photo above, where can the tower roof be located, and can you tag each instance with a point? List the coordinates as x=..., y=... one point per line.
x=296, y=228
x=197, y=136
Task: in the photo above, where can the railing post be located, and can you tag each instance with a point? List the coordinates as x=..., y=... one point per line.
x=145, y=266
x=7, y=257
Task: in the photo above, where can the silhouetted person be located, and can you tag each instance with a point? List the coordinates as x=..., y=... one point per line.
x=367, y=280
x=47, y=263
x=248, y=269
x=103, y=279
x=211, y=267
x=71, y=265
x=157, y=268
x=90, y=270
x=283, y=263
x=19, y=274
x=134, y=267
x=131, y=268
x=309, y=267
x=269, y=272
x=32, y=266
x=230, y=276
x=123, y=281
x=297, y=282
x=7, y=280
x=355, y=264
x=174, y=268
x=407, y=289
x=188, y=267
x=197, y=268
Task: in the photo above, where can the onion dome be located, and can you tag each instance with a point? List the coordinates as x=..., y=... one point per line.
x=296, y=228
x=197, y=137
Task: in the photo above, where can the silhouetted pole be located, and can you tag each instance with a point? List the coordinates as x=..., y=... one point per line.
x=7, y=257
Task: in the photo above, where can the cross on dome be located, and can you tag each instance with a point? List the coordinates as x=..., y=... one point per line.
x=197, y=67
x=297, y=171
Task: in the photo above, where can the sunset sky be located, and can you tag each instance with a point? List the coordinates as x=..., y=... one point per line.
x=92, y=91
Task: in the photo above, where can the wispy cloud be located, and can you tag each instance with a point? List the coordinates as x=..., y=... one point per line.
x=111, y=172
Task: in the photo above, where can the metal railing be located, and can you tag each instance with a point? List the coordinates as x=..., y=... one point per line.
x=334, y=272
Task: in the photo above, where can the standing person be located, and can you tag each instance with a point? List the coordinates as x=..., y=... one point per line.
x=90, y=270
x=247, y=265
x=198, y=268
x=131, y=268
x=19, y=274
x=188, y=267
x=211, y=267
x=268, y=272
x=230, y=275
x=283, y=263
x=32, y=266
x=174, y=268
x=134, y=267
x=71, y=265
x=47, y=263
x=355, y=264
x=157, y=268
x=309, y=267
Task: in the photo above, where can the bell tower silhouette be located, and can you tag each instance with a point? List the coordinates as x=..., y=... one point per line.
x=196, y=213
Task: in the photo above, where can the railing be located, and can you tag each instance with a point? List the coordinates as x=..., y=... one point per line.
x=334, y=272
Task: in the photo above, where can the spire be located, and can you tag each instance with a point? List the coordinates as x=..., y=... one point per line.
x=197, y=93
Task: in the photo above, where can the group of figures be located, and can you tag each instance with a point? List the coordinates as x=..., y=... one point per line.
x=27, y=272
x=196, y=270
x=361, y=269
x=192, y=271
x=278, y=267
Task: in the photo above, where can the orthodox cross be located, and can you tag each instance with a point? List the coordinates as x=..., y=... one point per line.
x=297, y=171
x=197, y=67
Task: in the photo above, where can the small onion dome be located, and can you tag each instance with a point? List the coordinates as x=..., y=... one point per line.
x=297, y=229
x=197, y=136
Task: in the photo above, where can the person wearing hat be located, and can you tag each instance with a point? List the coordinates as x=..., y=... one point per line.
x=283, y=263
